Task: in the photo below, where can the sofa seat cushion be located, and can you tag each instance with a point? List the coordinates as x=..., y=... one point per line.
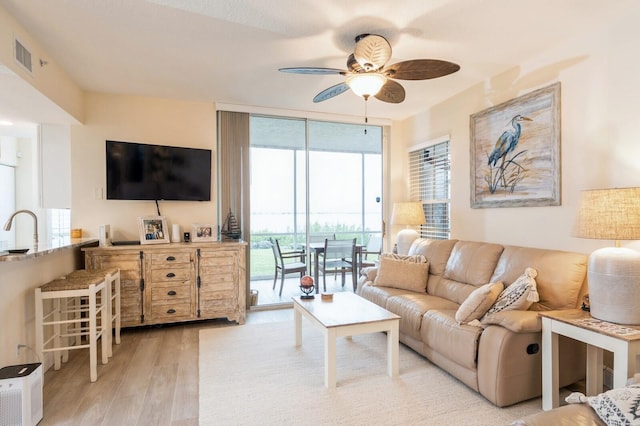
x=379, y=295
x=411, y=308
x=458, y=342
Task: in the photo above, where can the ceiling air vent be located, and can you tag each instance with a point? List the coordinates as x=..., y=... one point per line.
x=22, y=55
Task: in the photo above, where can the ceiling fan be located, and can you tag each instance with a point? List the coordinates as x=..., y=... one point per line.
x=367, y=75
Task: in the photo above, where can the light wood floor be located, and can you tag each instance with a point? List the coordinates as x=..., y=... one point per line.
x=152, y=378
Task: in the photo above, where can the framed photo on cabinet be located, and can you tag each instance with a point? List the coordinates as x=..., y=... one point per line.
x=202, y=232
x=153, y=230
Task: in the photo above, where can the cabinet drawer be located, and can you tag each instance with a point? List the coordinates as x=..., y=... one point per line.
x=171, y=312
x=218, y=259
x=164, y=293
x=170, y=274
x=166, y=259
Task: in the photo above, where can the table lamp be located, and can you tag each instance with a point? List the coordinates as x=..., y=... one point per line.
x=613, y=273
x=407, y=214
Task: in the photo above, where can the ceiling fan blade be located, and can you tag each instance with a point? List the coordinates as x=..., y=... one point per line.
x=312, y=70
x=331, y=92
x=372, y=51
x=420, y=69
x=391, y=92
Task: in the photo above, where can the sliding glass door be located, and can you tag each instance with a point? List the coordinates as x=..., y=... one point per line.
x=309, y=179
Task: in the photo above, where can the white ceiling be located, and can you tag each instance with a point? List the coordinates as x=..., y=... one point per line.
x=229, y=51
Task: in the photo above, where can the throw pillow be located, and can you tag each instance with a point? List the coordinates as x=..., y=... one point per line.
x=407, y=274
x=620, y=406
x=520, y=295
x=478, y=302
x=415, y=258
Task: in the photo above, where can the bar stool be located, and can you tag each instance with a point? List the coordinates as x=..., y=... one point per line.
x=112, y=278
x=69, y=319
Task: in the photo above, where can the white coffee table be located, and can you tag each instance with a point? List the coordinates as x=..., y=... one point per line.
x=346, y=315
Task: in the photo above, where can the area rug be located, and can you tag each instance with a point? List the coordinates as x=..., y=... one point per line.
x=254, y=375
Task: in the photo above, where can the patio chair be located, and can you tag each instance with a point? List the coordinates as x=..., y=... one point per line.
x=374, y=247
x=287, y=263
x=338, y=256
x=319, y=238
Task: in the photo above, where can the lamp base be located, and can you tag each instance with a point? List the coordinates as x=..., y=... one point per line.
x=405, y=238
x=614, y=285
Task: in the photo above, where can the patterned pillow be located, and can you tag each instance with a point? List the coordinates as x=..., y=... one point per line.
x=415, y=258
x=478, y=302
x=620, y=406
x=407, y=272
x=520, y=295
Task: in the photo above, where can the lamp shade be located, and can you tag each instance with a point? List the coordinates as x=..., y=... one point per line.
x=410, y=214
x=366, y=85
x=613, y=273
x=609, y=214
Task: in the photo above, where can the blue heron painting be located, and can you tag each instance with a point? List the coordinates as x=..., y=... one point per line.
x=508, y=171
x=508, y=140
x=515, y=151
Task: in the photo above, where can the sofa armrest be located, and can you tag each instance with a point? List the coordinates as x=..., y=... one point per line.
x=371, y=272
x=516, y=321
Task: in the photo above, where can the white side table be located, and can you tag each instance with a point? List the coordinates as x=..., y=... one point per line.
x=623, y=341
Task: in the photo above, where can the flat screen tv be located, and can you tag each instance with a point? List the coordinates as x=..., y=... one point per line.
x=137, y=171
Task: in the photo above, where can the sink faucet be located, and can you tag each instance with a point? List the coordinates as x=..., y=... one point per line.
x=7, y=226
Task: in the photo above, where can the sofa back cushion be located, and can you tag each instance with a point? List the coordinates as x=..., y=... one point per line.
x=561, y=274
x=437, y=252
x=470, y=265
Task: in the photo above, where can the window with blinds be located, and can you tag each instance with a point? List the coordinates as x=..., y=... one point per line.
x=429, y=175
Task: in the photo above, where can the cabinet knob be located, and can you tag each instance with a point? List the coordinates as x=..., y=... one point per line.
x=171, y=275
x=171, y=311
x=171, y=258
x=171, y=293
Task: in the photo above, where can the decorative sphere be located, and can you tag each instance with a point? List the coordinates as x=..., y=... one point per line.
x=306, y=281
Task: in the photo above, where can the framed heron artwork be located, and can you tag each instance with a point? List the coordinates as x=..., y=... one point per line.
x=515, y=152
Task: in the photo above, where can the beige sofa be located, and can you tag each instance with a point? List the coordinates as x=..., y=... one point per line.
x=501, y=359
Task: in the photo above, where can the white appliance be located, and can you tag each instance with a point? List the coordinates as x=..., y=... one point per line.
x=105, y=235
x=175, y=233
x=21, y=395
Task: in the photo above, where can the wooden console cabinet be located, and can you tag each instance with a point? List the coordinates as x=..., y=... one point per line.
x=176, y=282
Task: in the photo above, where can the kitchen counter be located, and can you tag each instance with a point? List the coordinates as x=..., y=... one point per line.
x=45, y=248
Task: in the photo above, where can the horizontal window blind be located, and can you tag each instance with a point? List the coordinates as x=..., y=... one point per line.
x=429, y=176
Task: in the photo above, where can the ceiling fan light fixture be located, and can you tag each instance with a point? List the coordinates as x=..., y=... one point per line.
x=366, y=85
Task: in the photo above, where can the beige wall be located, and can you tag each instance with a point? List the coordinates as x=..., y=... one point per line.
x=49, y=80
x=144, y=120
x=600, y=98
